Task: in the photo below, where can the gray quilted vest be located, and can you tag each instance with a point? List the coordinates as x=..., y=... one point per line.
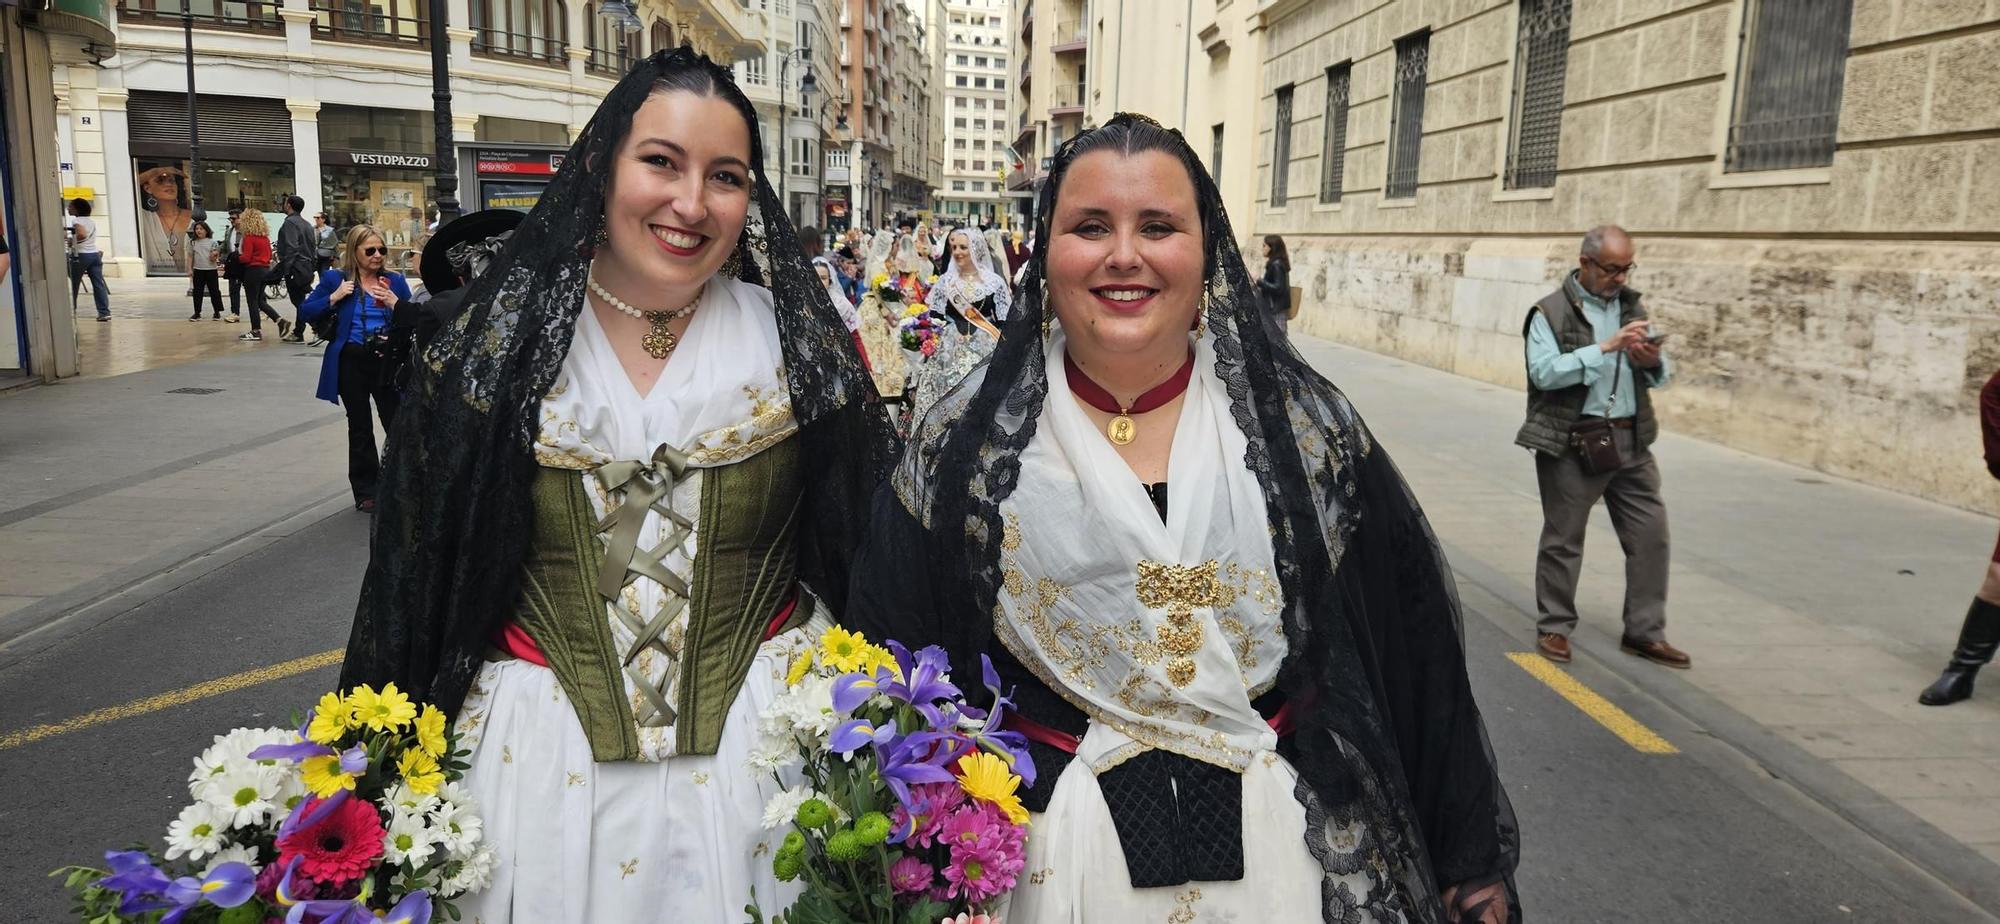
x=1551, y=414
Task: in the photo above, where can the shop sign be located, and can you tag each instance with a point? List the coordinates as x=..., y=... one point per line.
x=506, y=162
x=384, y=159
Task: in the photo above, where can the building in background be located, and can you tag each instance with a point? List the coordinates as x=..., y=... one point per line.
x=39, y=39
x=1809, y=181
x=775, y=82
x=826, y=114
x=866, y=57
x=910, y=122
x=976, y=96
x=332, y=102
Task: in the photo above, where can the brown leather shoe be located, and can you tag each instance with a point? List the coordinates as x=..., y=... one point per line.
x=1552, y=646
x=1658, y=652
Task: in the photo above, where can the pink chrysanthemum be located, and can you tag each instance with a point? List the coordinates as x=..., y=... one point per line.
x=931, y=802
x=341, y=847
x=968, y=826
x=911, y=876
x=977, y=873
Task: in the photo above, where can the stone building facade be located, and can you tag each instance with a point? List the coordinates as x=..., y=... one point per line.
x=1837, y=309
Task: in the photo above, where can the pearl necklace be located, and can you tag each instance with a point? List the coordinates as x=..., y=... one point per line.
x=659, y=342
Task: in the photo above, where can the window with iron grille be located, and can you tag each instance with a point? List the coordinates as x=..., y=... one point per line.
x=1215, y=157
x=372, y=20
x=1333, y=144
x=1281, y=148
x=1541, y=56
x=1406, y=114
x=1789, y=72
x=531, y=29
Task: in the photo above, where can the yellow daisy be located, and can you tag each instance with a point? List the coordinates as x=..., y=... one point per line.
x=842, y=650
x=430, y=730
x=801, y=665
x=388, y=710
x=331, y=719
x=987, y=778
x=322, y=775
x=420, y=772
x=879, y=657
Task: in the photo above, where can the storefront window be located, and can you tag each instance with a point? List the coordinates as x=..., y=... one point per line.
x=396, y=202
x=166, y=202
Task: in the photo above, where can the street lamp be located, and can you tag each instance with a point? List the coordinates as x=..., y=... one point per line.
x=198, y=215
x=806, y=87
x=447, y=157
x=620, y=14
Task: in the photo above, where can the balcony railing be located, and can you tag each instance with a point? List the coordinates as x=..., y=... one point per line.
x=208, y=14
x=1070, y=36
x=523, y=30
x=1066, y=98
x=399, y=22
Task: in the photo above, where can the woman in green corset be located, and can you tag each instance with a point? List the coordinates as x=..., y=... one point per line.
x=623, y=490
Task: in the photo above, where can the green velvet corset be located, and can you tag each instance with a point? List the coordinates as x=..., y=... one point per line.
x=745, y=565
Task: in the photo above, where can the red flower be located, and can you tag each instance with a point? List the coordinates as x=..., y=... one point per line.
x=342, y=847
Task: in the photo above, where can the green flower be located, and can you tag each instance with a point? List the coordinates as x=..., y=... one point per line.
x=845, y=846
x=787, y=866
x=814, y=813
x=795, y=844
x=873, y=828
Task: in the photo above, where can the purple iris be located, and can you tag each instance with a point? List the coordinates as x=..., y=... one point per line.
x=415, y=908
x=331, y=911
x=310, y=812
x=923, y=683
x=134, y=877
x=854, y=735
x=228, y=885
x=1009, y=746
x=293, y=752
x=918, y=758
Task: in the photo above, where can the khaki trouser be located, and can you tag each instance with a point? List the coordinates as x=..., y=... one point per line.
x=1632, y=496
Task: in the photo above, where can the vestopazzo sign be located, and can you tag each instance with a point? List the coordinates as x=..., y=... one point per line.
x=414, y=161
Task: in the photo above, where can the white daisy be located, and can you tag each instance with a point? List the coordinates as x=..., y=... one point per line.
x=233, y=749
x=458, y=828
x=772, y=752
x=234, y=853
x=408, y=840
x=197, y=832
x=400, y=798
x=247, y=792
x=455, y=793
x=474, y=874
x=785, y=805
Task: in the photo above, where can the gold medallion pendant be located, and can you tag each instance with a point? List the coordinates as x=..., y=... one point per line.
x=659, y=341
x=1121, y=430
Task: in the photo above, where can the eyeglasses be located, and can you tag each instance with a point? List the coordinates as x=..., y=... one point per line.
x=1613, y=268
x=374, y=251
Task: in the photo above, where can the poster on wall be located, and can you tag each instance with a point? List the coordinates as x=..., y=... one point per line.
x=521, y=197
x=163, y=215
x=399, y=211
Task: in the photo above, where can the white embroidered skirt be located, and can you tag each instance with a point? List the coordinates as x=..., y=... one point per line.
x=628, y=841
x=1076, y=868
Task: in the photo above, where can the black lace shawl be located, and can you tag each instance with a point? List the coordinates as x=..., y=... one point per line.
x=1390, y=734
x=453, y=520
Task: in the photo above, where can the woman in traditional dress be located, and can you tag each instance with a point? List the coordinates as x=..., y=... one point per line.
x=1246, y=696
x=880, y=335
x=966, y=302
x=626, y=484
x=911, y=270
x=829, y=277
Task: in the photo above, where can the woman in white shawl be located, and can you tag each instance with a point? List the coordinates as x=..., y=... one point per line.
x=829, y=277
x=880, y=339
x=911, y=270
x=966, y=301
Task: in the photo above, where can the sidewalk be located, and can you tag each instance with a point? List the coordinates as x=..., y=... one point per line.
x=107, y=483
x=149, y=328
x=1815, y=609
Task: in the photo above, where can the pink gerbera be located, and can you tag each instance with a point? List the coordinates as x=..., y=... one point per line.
x=911, y=876
x=342, y=846
x=978, y=873
x=967, y=826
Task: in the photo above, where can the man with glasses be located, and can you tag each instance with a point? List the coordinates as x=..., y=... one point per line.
x=1593, y=360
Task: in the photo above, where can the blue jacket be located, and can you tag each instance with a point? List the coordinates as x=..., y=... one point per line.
x=320, y=302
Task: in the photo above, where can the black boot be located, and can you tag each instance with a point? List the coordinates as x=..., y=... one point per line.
x=1977, y=640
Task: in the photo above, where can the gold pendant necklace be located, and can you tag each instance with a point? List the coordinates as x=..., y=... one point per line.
x=1122, y=430
x=659, y=342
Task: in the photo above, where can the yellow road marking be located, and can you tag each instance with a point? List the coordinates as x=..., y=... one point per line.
x=1615, y=720
x=203, y=690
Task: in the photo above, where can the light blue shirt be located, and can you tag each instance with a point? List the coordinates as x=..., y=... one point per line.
x=1549, y=368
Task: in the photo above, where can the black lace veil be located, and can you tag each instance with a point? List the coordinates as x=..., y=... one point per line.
x=1391, y=736
x=453, y=516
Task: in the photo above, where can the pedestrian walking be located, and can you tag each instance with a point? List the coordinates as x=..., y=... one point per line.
x=232, y=264
x=298, y=255
x=1275, y=287
x=85, y=257
x=689, y=385
x=1248, y=685
x=1979, y=635
x=256, y=259
x=204, y=253
x=326, y=242
x=359, y=365
x=1593, y=362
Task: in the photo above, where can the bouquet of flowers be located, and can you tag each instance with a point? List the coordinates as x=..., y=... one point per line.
x=907, y=812
x=357, y=809
x=886, y=288
x=919, y=329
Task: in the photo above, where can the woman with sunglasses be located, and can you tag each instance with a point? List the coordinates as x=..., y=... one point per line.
x=356, y=369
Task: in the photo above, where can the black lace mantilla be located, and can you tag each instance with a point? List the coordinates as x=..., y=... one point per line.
x=1392, y=739
x=453, y=518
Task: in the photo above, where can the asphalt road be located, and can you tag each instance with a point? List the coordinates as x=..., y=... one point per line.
x=1609, y=833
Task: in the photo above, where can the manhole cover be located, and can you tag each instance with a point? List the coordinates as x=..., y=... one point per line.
x=193, y=391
